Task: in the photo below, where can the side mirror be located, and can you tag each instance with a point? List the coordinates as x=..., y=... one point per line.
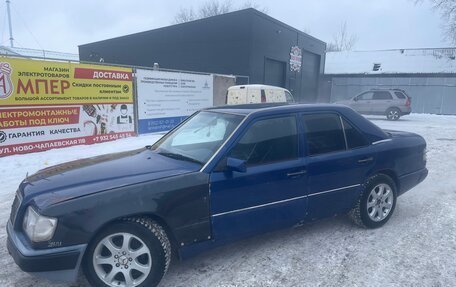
x=355, y=99
x=234, y=164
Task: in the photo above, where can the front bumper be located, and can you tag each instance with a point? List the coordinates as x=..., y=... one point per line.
x=55, y=264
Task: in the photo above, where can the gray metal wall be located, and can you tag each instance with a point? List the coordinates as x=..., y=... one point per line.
x=430, y=94
x=237, y=43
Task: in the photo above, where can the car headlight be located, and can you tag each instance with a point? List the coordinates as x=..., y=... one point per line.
x=38, y=227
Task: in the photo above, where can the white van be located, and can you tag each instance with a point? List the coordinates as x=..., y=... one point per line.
x=254, y=94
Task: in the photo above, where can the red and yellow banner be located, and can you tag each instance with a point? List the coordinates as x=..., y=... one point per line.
x=48, y=104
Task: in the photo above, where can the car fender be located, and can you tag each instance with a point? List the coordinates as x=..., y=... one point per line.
x=182, y=202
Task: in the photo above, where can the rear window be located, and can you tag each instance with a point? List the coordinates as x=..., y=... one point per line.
x=400, y=95
x=324, y=133
x=382, y=95
x=289, y=97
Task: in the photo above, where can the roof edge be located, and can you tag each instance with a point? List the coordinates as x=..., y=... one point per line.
x=251, y=10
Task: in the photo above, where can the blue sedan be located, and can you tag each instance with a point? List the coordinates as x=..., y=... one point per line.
x=223, y=174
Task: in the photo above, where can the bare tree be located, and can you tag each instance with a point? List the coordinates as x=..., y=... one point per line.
x=184, y=15
x=343, y=40
x=447, y=9
x=212, y=8
x=254, y=5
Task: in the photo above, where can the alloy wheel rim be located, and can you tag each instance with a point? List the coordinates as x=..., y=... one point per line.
x=380, y=202
x=394, y=115
x=122, y=260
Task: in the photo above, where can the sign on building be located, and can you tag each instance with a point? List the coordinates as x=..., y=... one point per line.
x=167, y=98
x=295, y=59
x=45, y=105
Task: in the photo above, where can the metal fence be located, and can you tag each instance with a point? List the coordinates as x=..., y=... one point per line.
x=430, y=94
x=38, y=54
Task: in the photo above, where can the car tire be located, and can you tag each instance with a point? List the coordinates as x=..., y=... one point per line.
x=376, y=203
x=143, y=261
x=393, y=114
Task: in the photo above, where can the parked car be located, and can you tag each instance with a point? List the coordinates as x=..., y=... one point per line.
x=254, y=94
x=392, y=103
x=223, y=174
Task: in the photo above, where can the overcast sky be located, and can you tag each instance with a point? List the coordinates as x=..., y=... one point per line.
x=63, y=25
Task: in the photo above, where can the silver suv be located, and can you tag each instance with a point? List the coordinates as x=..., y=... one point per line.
x=392, y=103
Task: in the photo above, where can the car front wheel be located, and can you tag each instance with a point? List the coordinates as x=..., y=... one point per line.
x=393, y=114
x=377, y=202
x=130, y=253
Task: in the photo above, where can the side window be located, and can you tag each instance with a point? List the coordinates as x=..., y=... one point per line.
x=263, y=96
x=365, y=97
x=354, y=137
x=289, y=97
x=382, y=95
x=399, y=95
x=324, y=133
x=268, y=141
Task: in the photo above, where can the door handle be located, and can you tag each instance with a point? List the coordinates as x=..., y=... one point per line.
x=296, y=174
x=366, y=160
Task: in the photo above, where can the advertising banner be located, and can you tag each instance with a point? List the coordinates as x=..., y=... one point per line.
x=167, y=98
x=45, y=105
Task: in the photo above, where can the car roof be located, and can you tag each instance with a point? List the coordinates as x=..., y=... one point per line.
x=265, y=108
x=256, y=86
x=373, y=132
x=380, y=89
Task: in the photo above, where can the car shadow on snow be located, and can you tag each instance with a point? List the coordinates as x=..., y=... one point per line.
x=220, y=259
x=316, y=238
x=281, y=241
x=383, y=119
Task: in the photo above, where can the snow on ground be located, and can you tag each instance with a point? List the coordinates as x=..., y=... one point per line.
x=416, y=248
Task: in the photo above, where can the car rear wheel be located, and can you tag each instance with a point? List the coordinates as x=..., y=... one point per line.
x=377, y=202
x=130, y=253
x=393, y=114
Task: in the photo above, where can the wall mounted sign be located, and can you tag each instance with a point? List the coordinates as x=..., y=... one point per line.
x=45, y=105
x=167, y=98
x=295, y=59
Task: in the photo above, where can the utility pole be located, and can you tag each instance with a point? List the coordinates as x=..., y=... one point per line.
x=9, y=23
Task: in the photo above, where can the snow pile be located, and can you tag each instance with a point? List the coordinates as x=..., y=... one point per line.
x=413, y=61
x=416, y=248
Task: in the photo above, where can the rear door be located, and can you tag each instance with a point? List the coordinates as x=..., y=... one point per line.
x=381, y=101
x=271, y=193
x=338, y=159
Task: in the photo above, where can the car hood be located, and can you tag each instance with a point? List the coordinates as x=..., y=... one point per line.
x=87, y=176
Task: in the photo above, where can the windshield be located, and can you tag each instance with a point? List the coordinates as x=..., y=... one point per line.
x=199, y=137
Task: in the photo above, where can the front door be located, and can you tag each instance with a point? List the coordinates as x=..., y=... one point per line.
x=271, y=193
x=362, y=103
